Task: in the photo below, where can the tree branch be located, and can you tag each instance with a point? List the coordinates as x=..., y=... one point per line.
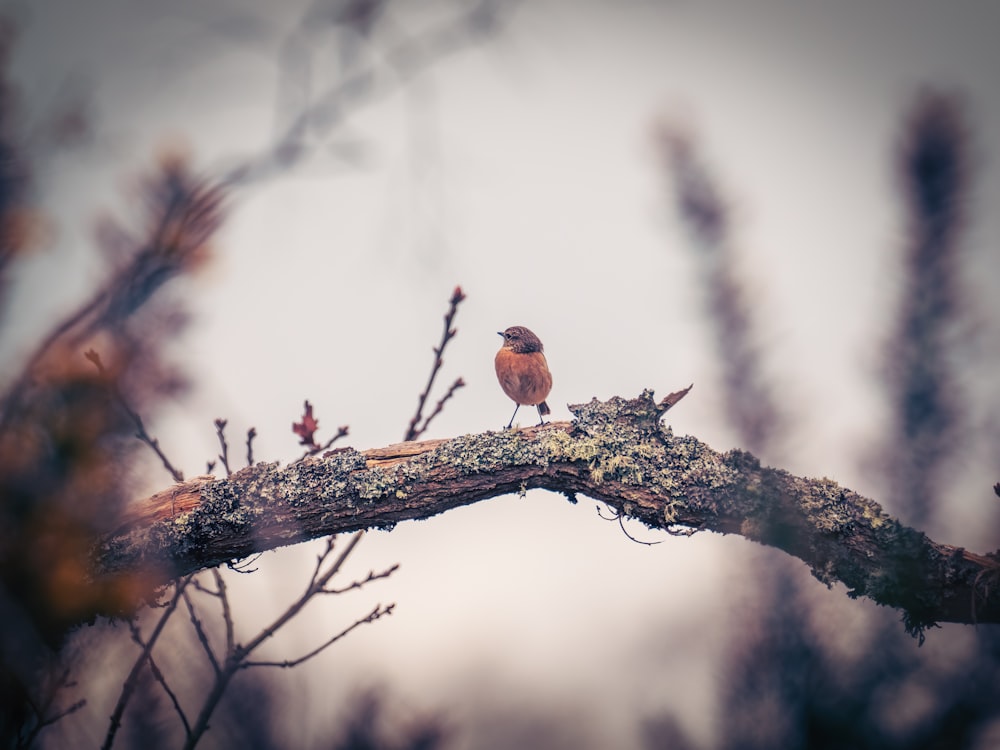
x=617, y=452
x=129, y=686
x=160, y=678
x=378, y=612
x=415, y=429
x=140, y=427
x=237, y=656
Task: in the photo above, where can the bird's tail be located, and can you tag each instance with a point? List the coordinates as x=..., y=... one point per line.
x=543, y=409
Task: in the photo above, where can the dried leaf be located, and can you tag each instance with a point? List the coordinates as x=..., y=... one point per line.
x=306, y=429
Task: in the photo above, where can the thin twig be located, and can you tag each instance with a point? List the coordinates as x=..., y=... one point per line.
x=316, y=585
x=49, y=721
x=407, y=59
x=202, y=635
x=161, y=678
x=43, y=718
x=145, y=270
x=251, y=434
x=620, y=518
x=372, y=576
x=236, y=658
x=128, y=687
x=199, y=586
x=321, y=558
x=412, y=432
x=141, y=433
x=242, y=566
x=604, y=517
x=439, y=406
x=227, y=614
x=220, y=430
x=342, y=431
x=621, y=523
x=15, y=392
x=372, y=616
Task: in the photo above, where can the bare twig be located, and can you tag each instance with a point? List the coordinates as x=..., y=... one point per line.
x=53, y=718
x=306, y=430
x=237, y=656
x=341, y=432
x=141, y=433
x=220, y=430
x=439, y=406
x=202, y=635
x=316, y=585
x=251, y=434
x=128, y=687
x=185, y=213
x=43, y=713
x=372, y=616
x=227, y=614
x=331, y=542
x=372, y=576
x=406, y=59
x=750, y=403
x=243, y=566
x=620, y=518
x=161, y=678
x=413, y=431
x=16, y=391
x=930, y=418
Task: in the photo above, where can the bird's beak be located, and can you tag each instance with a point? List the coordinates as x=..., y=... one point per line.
x=499, y=333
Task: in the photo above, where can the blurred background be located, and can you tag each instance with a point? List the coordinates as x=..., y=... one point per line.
x=788, y=205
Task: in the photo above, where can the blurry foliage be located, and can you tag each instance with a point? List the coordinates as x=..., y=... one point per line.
x=69, y=417
x=16, y=218
x=750, y=404
x=788, y=684
x=920, y=366
x=23, y=142
x=66, y=434
x=367, y=727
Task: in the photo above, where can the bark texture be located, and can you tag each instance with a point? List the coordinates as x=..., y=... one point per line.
x=617, y=451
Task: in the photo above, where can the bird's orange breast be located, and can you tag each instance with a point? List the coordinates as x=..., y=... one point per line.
x=525, y=378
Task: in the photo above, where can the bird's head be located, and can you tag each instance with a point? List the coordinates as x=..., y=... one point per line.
x=519, y=339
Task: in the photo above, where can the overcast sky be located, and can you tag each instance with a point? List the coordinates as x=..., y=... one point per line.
x=524, y=170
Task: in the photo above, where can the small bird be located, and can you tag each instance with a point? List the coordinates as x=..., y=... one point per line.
x=523, y=372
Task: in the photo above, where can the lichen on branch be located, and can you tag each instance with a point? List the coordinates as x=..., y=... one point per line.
x=617, y=451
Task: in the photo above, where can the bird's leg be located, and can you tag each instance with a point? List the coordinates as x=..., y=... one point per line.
x=541, y=417
x=518, y=406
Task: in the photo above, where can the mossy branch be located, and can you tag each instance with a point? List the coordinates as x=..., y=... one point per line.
x=617, y=451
